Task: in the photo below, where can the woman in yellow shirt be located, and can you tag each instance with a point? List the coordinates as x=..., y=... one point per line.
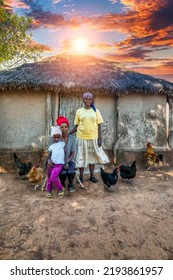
x=88, y=122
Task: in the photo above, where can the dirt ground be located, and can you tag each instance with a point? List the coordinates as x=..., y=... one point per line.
x=135, y=221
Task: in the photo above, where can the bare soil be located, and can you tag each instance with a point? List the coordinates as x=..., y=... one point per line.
x=135, y=221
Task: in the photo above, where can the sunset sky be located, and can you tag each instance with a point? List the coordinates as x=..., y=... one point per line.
x=135, y=33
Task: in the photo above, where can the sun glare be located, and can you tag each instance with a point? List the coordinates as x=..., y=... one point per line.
x=80, y=45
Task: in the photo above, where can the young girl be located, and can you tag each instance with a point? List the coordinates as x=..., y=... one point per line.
x=55, y=161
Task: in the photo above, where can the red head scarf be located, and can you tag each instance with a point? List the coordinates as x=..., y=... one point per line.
x=61, y=120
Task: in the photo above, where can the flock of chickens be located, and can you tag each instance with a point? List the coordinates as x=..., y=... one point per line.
x=35, y=174
x=124, y=171
x=129, y=172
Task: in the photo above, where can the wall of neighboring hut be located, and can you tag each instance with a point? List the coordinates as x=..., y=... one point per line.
x=24, y=117
x=108, y=108
x=142, y=119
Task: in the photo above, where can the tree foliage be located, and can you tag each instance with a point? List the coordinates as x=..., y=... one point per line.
x=16, y=45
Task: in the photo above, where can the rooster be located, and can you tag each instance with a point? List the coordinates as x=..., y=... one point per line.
x=109, y=179
x=35, y=176
x=152, y=158
x=23, y=167
x=127, y=172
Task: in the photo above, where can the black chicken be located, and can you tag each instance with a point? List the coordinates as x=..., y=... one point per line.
x=127, y=172
x=24, y=168
x=109, y=179
x=159, y=158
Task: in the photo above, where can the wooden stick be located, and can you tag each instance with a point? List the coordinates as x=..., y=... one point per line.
x=79, y=181
x=43, y=187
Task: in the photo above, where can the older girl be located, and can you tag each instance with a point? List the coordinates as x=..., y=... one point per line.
x=88, y=122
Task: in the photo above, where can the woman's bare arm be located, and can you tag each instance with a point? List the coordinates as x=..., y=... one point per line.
x=99, y=135
x=74, y=129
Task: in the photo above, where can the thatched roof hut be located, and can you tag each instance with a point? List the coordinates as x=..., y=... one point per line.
x=79, y=73
x=34, y=94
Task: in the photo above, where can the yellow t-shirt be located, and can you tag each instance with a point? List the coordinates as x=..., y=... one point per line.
x=87, y=121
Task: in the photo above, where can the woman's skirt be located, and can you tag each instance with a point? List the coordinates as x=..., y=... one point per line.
x=88, y=152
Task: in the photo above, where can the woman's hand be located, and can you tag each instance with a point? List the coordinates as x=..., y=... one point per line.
x=99, y=142
x=50, y=162
x=66, y=166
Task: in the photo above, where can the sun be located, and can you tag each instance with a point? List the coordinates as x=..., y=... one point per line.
x=80, y=45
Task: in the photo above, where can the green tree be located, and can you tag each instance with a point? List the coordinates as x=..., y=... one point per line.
x=16, y=45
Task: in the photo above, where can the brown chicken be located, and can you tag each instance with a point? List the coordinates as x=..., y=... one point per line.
x=35, y=176
x=152, y=158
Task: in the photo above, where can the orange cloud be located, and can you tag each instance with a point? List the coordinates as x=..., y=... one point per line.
x=135, y=55
x=140, y=5
x=154, y=67
x=102, y=46
x=40, y=47
x=159, y=70
x=16, y=4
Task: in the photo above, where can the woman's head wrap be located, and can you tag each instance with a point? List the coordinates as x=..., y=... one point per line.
x=89, y=94
x=61, y=120
x=55, y=130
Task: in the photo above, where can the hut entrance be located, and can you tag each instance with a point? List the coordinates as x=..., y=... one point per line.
x=68, y=105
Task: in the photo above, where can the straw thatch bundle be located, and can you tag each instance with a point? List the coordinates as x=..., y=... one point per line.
x=81, y=73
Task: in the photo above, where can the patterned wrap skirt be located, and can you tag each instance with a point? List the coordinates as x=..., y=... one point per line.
x=88, y=152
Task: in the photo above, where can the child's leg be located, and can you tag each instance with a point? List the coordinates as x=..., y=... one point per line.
x=54, y=176
x=48, y=183
x=62, y=178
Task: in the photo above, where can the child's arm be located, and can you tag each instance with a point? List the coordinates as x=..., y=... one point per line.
x=48, y=158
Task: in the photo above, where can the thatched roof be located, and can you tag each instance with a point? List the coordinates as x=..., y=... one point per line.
x=81, y=73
